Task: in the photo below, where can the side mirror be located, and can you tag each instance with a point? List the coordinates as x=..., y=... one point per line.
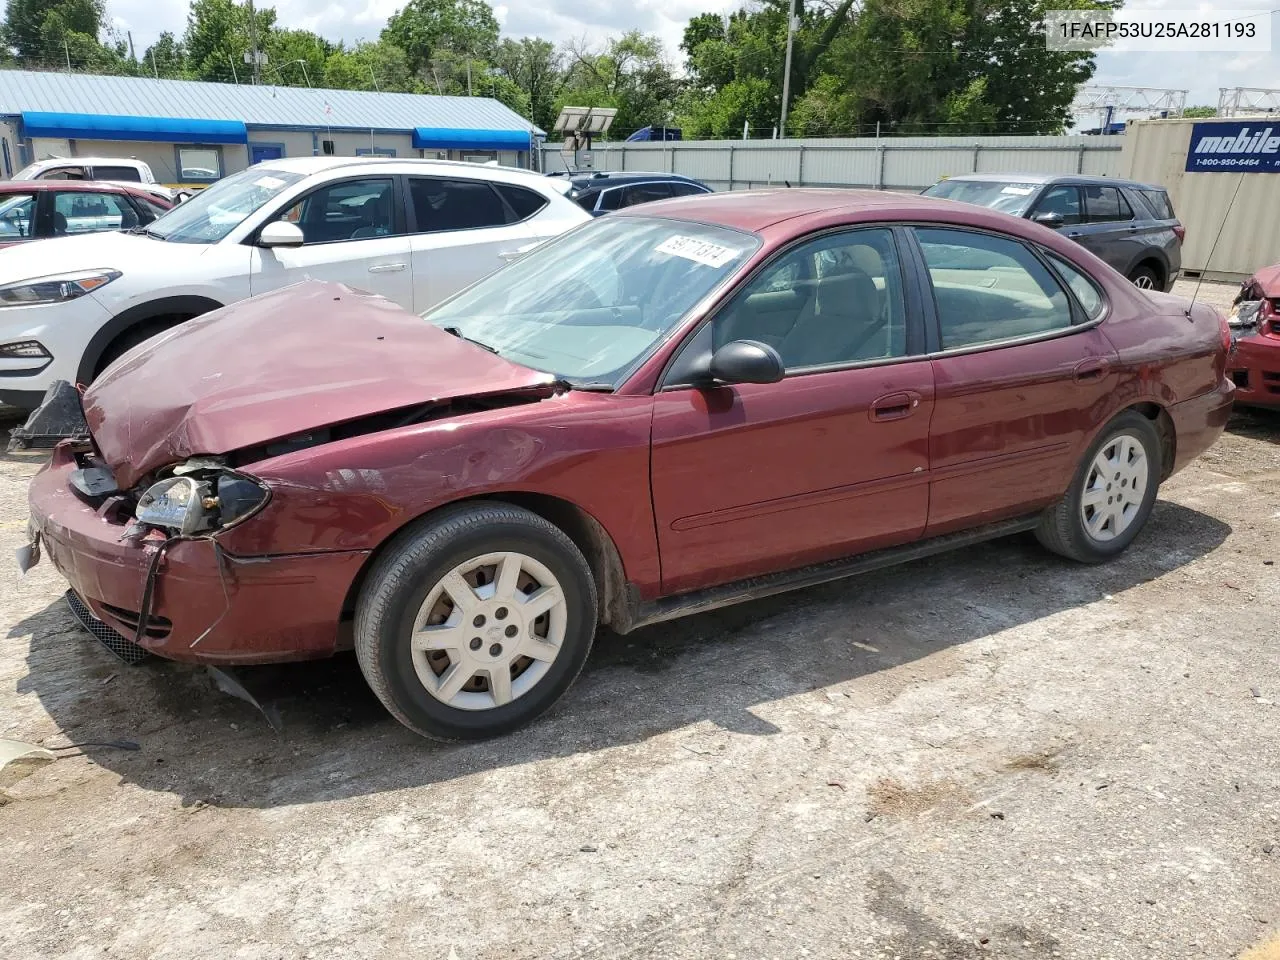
x=281, y=233
x=1050, y=219
x=747, y=361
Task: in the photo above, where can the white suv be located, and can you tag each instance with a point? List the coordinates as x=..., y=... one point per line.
x=414, y=231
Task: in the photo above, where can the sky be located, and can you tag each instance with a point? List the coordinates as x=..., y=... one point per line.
x=594, y=20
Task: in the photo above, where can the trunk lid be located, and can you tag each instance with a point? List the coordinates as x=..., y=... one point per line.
x=308, y=356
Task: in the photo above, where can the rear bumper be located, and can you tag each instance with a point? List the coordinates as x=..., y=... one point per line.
x=255, y=610
x=1198, y=422
x=1254, y=367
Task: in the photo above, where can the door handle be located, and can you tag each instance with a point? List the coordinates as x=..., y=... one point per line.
x=386, y=268
x=1074, y=233
x=1095, y=368
x=894, y=406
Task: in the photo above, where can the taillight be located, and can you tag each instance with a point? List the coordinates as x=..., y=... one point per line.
x=1228, y=340
x=1180, y=232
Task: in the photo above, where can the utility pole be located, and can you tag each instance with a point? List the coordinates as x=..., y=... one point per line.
x=468, y=74
x=374, y=77
x=155, y=69
x=786, y=70
x=132, y=56
x=232, y=61
x=253, y=44
x=67, y=51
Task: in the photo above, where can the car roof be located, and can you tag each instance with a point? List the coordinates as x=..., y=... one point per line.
x=755, y=210
x=78, y=186
x=1052, y=178
x=312, y=165
x=89, y=161
x=606, y=177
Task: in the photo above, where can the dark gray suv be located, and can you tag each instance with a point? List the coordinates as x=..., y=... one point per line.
x=1129, y=225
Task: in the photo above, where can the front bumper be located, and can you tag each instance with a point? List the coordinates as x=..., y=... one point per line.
x=255, y=610
x=1255, y=369
x=63, y=329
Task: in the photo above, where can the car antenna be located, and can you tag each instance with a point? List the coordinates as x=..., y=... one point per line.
x=1209, y=259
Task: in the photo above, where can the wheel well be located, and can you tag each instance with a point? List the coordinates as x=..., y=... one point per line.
x=132, y=336
x=166, y=310
x=579, y=526
x=1163, y=423
x=1156, y=267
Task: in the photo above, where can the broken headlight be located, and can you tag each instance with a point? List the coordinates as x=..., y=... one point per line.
x=200, y=497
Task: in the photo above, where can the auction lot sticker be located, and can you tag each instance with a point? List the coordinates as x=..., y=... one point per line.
x=699, y=251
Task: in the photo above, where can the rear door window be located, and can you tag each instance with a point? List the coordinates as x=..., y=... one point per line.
x=1105, y=205
x=990, y=289
x=441, y=205
x=84, y=212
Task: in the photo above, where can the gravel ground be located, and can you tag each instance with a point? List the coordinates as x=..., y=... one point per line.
x=989, y=754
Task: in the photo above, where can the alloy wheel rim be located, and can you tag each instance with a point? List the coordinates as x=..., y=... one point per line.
x=1143, y=282
x=1114, y=488
x=488, y=631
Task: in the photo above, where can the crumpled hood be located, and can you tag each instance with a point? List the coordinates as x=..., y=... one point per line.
x=91, y=251
x=1267, y=280
x=308, y=356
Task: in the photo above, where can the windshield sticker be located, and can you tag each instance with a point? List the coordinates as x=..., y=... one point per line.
x=271, y=183
x=699, y=251
x=1017, y=191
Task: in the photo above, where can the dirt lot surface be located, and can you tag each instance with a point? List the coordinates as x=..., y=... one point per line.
x=994, y=753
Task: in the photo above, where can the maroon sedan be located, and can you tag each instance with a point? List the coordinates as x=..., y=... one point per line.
x=685, y=405
x=1255, y=365
x=35, y=209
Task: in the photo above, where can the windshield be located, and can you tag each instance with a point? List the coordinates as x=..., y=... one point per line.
x=213, y=213
x=591, y=304
x=1003, y=195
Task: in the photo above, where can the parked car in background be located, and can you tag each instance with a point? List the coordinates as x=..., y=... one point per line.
x=414, y=231
x=601, y=192
x=1130, y=225
x=107, y=169
x=40, y=209
x=681, y=406
x=1255, y=317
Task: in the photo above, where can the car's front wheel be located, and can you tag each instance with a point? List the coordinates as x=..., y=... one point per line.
x=1111, y=495
x=475, y=621
x=1144, y=278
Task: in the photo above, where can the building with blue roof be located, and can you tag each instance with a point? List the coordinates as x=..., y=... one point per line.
x=193, y=132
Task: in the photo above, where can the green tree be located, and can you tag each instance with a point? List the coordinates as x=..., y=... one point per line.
x=371, y=66
x=165, y=59
x=1198, y=112
x=296, y=58
x=630, y=74
x=218, y=37
x=427, y=29
x=536, y=68
x=35, y=29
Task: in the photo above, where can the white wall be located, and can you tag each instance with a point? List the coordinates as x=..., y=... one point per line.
x=1232, y=219
x=891, y=163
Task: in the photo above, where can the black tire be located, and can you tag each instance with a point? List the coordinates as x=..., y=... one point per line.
x=1062, y=528
x=1145, y=278
x=415, y=563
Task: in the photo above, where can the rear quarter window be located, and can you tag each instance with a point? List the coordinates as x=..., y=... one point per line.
x=1159, y=202
x=524, y=203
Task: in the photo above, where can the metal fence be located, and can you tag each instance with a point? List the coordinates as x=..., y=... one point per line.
x=898, y=163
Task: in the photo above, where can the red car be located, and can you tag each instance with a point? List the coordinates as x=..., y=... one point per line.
x=35, y=209
x=688, y=404
x=1255, y=365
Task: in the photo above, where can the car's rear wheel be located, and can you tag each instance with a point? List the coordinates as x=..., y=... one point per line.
x=475, y=621
x=1111, y=495
x=1144, y=278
